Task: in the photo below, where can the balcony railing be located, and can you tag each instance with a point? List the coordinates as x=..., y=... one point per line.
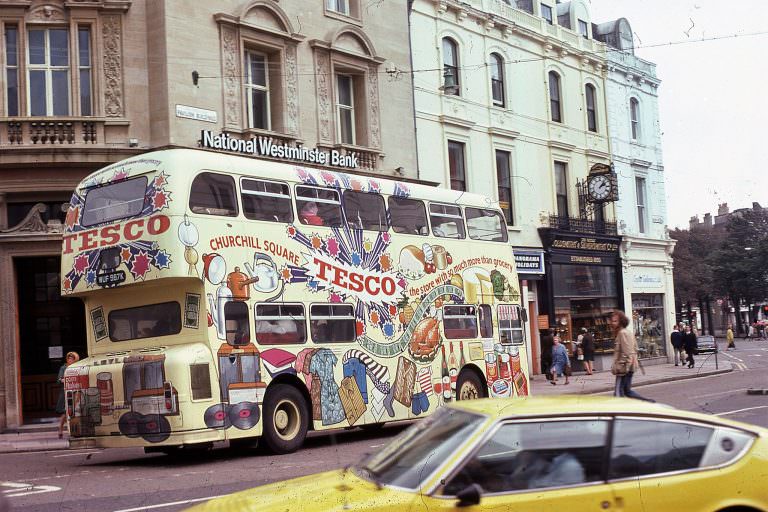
x=46, y=131
x=578, y=225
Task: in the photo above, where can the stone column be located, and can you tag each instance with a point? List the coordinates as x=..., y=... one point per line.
x=3, y=211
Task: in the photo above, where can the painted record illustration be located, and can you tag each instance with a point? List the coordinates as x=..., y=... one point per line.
x=244, y=415
x=128, y=424
x=216, y=416
x=154, y=428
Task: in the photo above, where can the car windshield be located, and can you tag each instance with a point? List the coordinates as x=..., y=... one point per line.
x=414, y=454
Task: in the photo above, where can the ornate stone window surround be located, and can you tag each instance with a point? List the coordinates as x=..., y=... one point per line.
x=104, y=20
x=333, y=58
x=278, y=42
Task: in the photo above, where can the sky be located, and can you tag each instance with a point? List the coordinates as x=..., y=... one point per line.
x=711, y=100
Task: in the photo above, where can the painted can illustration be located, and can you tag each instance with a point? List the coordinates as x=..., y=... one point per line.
x=491, y=368
x=106, y=394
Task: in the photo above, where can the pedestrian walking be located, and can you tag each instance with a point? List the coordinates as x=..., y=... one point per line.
x=561, y=365
x=690, y=344
x=588, y=350
x=676, y=338
x=625, y=360
x=729, y=338
x=72, y=357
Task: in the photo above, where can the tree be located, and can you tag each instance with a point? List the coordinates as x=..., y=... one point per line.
x=742, y=259
x=694, y=271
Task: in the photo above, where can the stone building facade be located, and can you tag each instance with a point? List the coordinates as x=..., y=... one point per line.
x=89, y=82
x=646, y=248
x=511, y=103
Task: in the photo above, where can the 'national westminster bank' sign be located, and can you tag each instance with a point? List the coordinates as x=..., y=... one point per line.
x=266, y=146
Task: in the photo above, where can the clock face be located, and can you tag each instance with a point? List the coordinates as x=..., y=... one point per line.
x=599, y=187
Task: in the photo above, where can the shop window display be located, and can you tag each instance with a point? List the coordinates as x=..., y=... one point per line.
x=648, y=324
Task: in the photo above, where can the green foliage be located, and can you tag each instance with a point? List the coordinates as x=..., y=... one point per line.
x=742, y=259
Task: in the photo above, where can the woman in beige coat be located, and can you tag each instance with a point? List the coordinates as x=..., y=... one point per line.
x=625, y=349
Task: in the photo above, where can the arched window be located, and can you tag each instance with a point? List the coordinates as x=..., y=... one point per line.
x=497, y=79
x=554, y=97
x=589, y=93
x=451, y=83
x=634, y=115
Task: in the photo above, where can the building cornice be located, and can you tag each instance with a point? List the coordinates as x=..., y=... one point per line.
x=456, y=121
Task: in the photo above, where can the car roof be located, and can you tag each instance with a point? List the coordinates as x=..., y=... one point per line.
x=511, y=408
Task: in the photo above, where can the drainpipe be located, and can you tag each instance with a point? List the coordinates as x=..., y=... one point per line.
x=413, y=91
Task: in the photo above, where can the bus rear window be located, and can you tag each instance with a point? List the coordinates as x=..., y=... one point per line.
x=145, y=321
x=486, y=225
x=115, y=201
x=213, y=194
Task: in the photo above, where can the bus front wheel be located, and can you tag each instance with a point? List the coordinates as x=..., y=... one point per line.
x=285, y=419
x=468, y=386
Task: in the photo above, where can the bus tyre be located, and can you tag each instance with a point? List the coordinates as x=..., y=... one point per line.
x=468, y=386
x=285, y=419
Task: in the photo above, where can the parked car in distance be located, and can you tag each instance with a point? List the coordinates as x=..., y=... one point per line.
x=578, y=453
x=706, y=344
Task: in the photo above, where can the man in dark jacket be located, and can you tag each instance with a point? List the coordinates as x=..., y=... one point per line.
x=690, y=344
x=677, y=344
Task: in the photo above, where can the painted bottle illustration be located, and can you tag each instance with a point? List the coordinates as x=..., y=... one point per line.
x=462, y=361
x=453, y=371
x=491, y=368
x=446, y=378
x=518, y=376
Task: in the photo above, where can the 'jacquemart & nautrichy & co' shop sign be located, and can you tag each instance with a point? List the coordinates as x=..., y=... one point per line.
x=266, y=146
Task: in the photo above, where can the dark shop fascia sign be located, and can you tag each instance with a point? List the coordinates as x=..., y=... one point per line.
x=262, y=146
x=529, y=262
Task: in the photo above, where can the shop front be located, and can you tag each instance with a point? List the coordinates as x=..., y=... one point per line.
x=530, y=272
x=583, y=287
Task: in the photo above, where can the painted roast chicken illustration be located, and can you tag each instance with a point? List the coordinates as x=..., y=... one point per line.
x=425, y=339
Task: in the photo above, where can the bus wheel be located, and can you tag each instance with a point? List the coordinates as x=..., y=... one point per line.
x=468, y=386
x=285, y=419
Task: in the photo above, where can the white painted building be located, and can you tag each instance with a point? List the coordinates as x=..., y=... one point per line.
x=641, y=211
x=510, y=103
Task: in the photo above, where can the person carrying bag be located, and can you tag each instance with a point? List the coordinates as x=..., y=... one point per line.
x=625, y=359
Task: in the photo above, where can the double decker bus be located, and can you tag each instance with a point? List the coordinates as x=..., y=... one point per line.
x=231, y=298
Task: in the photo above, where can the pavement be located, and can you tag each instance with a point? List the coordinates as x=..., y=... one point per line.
x=44, y=437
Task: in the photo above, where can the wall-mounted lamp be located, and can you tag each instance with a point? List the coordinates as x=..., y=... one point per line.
x=132, y=143
x=195, y=77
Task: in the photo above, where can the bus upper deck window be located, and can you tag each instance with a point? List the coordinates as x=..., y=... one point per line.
x=280, y=324
x=447, y=221
x=486, y=225
x=115, y=201
x=213, y=194
x=318, y=206
x=365, y=211
x=236, y=322
x=266, y=200
x=408, y=216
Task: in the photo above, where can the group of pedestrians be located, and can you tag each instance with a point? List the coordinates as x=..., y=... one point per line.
x=684, y=344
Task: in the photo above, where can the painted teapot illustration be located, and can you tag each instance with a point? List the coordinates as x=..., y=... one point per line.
x=265, y=271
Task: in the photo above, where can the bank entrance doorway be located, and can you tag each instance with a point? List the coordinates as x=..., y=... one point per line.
x=49, y=327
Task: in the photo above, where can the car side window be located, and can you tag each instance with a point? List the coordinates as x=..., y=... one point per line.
x=647, y=447
x=536, y=455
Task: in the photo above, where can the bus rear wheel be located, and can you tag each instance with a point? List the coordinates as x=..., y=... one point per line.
x=468, y=386
x=285, y=419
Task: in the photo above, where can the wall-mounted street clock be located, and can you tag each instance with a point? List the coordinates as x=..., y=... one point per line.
x=601, y=184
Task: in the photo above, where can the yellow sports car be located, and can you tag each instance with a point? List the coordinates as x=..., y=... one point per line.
x=542, y=454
